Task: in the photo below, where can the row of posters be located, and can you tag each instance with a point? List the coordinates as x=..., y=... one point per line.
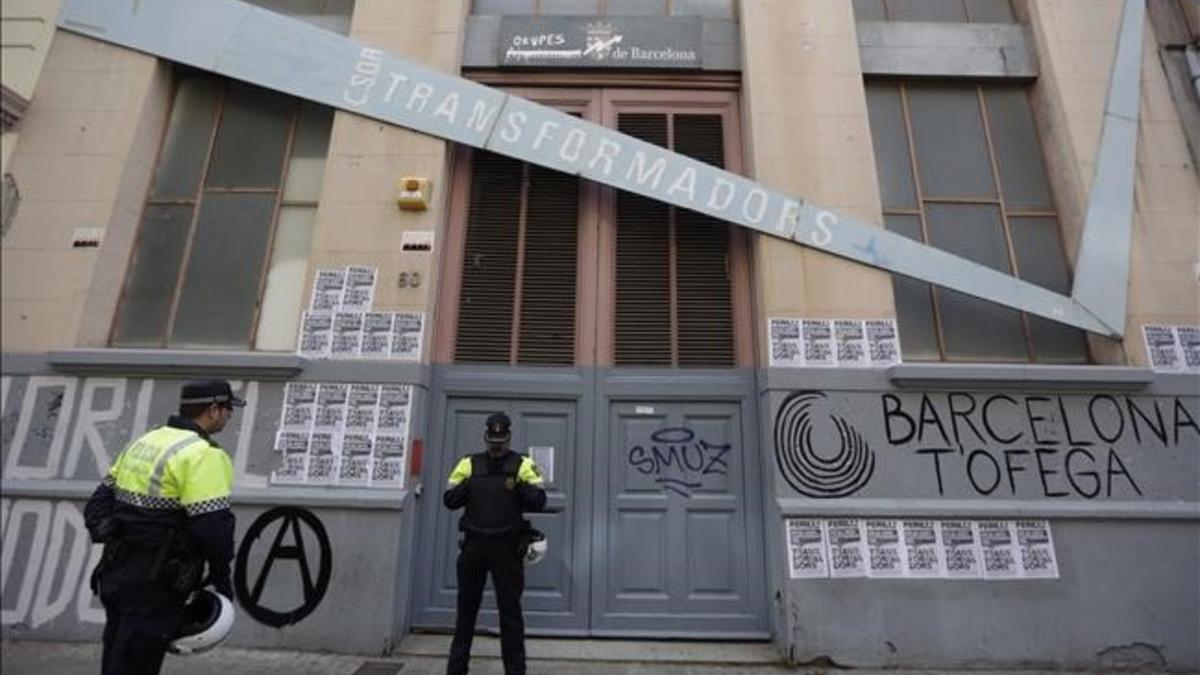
x=340, y=324
x=883, y=548
x=349, y=288
x=334, y=433
x=844, y=343
x=1173, y=349
x=361, y=335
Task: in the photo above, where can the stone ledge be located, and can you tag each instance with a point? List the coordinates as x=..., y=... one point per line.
x=177, y=363
x=791, y=507
x=1023, y=376
x=317, y=497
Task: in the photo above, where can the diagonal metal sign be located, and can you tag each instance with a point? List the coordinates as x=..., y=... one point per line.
x=1102, y=268
x=254, y=45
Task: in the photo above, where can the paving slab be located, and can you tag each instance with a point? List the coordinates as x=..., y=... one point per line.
x=73, y=658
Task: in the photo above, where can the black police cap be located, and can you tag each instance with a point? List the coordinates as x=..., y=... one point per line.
x=498, y=426
x=209, y=391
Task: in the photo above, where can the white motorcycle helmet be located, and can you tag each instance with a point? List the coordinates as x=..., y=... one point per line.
x=208, y=619
x=537, y=549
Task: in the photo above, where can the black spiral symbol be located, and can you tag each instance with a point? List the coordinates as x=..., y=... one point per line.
x=803, y=468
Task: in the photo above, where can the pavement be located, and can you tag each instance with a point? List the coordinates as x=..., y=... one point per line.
x=424, y=655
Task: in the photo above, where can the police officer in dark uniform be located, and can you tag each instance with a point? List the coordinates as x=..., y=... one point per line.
x=162, y=513
x=495, y=486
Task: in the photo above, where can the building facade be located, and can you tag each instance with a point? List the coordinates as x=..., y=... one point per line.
x=745, y=437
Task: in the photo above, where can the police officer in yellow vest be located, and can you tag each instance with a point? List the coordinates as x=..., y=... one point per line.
x=163, y=514
x=495, y=486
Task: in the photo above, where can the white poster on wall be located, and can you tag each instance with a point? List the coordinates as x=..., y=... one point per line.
x=923, y=549
x=362, y=405
x=1001, y=557
x=1162, y=348
x=885, y=546
x=299, y=406
x=331, y=407
x=354, y=462
x=321, y=458
x=376, y=335
x=293, y=449
x=407, y=329
x=883, y=342
x=847, y=548
x=1188, y=338
x=291, y=442
x=347, y=334
x=394, y=402
x=786, y=349
x=817, y=337
x=359, y=292
x=960, y=542
x=543, y=459
x=327, y=289
x=389, y=461
x=850, y=340
x=316, y=334
x=806, y=547
x=293, y=469
x=1036, y=544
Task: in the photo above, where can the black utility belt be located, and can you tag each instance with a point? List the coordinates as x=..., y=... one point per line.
x=475, y=532
x=476, y=536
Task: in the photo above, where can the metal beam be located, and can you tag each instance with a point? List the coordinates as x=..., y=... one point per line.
x=1102, y=266
x=247, y=43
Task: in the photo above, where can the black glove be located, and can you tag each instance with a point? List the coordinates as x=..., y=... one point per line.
x=531, y=497
x=456, y=497
x=224, y=587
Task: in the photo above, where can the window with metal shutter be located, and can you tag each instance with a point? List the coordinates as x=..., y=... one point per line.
x=673, y=296
x=517, y=303
x=547, y=300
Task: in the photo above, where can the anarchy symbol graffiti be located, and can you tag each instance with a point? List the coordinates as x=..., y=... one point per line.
x=311, y=592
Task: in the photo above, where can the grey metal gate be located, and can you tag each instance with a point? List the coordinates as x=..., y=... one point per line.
x=556, y=590
x=654, y=521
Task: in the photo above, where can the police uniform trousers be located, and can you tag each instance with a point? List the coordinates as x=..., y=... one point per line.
x=142, y=616
x=478, y=556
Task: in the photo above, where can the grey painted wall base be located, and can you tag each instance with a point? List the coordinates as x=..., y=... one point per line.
x=1127, y=534
x=364, y=610
x=1122, y=584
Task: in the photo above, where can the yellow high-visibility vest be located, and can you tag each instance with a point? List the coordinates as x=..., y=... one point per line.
x=171, y=468
x=526, y=473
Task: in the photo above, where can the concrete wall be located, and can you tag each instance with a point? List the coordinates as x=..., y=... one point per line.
x=806, y=133
x=26, y=28
x=49, y=562
x=61, y=431
x=358, y=221
x=1124, y=513
x=88, y=145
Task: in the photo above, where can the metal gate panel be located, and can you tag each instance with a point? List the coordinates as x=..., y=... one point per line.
x=556, y=590
x=676, y=544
